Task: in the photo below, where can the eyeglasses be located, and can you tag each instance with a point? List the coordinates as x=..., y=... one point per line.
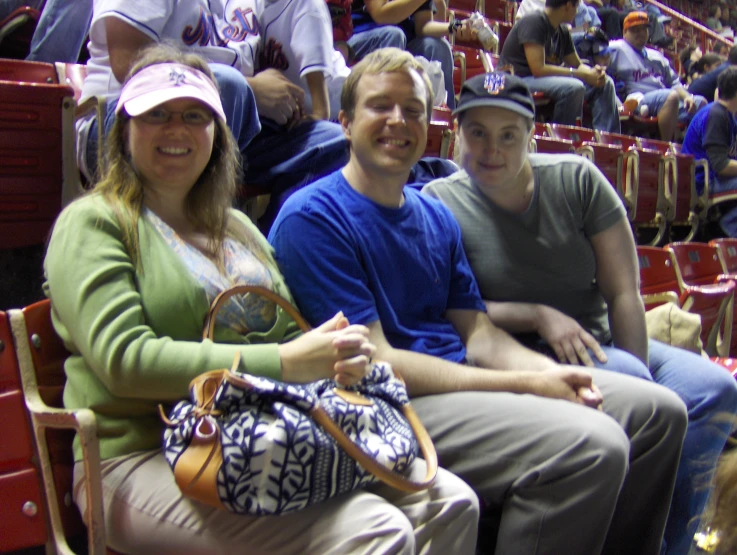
x=190, y=116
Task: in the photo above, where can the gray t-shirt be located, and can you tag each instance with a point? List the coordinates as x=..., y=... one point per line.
x=542, y=255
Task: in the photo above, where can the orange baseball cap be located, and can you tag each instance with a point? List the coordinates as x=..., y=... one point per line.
x=634, y=19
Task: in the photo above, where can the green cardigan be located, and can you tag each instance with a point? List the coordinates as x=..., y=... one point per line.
x=135, y=336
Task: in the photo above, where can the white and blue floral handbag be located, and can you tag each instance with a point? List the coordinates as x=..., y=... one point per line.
x=257, y=446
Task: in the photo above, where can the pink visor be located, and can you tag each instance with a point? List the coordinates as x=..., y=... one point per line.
x=160, y=83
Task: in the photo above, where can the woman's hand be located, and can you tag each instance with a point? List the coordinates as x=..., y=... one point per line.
x=567, y=338
x=335, y=350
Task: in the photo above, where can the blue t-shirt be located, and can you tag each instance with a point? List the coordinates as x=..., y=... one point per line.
x=712, y=125
x=404, y=266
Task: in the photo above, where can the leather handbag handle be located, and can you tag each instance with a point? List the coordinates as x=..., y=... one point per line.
x=280, y=301
x=382, y=472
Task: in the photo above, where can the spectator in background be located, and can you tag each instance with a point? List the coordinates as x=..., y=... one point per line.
x=299, y=43
x=540, y=49
x=283, y=147
x=720, y=48
x=705, y=64
x=424, y=35
x=712, y=136
x=657, y=36
x=706, y=84
x=368, y=35
x=713, y=21
x=593, y=47
x=638, y=69
x=589, y=13
x=687, y=57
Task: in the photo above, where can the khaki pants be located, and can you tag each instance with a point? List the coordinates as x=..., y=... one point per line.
x=146, y=513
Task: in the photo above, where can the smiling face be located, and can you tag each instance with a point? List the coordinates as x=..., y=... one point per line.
x=494, y=144
x=637, y=36
x=388, y=129
x=171, y=155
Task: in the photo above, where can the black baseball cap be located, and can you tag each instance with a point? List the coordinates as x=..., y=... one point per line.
x=496, y=89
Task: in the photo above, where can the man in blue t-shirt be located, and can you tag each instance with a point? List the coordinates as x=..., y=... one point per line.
x=712, y=136
x=515, y=425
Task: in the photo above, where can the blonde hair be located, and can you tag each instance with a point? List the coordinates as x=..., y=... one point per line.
x=383, y=60
x=208, y=202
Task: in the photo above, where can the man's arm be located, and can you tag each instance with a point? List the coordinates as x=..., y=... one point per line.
x=428, y=375
x=391, y=12
x=535, y=54
x=618, y=277
x=124, y=42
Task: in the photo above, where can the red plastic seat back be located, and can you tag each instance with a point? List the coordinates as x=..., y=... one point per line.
x=698, y=263
x=577, y=135
x=34, y=137
x=727, y=250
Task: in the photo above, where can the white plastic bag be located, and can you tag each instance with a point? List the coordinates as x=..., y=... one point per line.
x=435, y=72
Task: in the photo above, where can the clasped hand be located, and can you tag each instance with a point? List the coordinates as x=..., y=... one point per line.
x=570, y=383
x=335, y=350
x=277, y=98
x=594, y=76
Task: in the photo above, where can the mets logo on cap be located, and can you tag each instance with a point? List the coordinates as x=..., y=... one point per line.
x=177, y=76
x=494, y=83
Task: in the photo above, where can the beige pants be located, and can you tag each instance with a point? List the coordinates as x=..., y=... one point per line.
x=146, y=513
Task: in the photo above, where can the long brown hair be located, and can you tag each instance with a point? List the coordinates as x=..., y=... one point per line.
x=208, y=202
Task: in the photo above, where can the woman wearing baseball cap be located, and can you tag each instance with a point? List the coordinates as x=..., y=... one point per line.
x=551, y=247
x=131, y=270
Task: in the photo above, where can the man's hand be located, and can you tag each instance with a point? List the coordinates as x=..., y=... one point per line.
x=567, y=338
x=277, y=98
x=689, y=103
x=594, y=76
x=566, y=382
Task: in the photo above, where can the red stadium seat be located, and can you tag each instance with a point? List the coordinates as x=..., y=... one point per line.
x=38, y=170
x=685, y=202
x=468, y=62
x=41, y=354
x=660, y=281
x=578, y=135
x=727, y=251
x=550, y=145
x=23, y=524
x=439, y=140
x=646, y=178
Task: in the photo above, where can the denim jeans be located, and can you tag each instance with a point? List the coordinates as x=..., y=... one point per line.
x=61, y=31
x=655, y=100
x=708, y=391
x=568, y=94
x=365, y=42
x=439, y=50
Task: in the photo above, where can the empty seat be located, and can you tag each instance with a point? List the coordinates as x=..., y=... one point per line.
x=38, y=170
x=646, y=184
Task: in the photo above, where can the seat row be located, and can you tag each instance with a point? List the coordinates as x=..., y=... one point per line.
x=700, y=278
x=36, y=460
x=654, y=179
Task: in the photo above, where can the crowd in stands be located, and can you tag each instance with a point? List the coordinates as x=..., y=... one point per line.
x=544, y=397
